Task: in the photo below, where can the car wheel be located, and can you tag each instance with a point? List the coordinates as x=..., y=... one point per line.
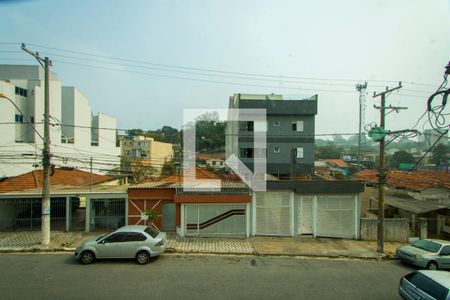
x=432, y=265
x=142, y=257
x=87, y=257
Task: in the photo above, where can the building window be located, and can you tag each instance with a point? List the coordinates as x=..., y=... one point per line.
x=246, y=152
x=297, y=125
x=22, y=92
x=299, y=151
x=19, y=118
x=31, y=119
x=276, y=123
x=246, y=126
x=276, y=149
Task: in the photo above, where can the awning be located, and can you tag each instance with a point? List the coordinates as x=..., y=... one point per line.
x=412, y=205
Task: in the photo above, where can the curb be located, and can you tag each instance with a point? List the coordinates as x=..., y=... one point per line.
x=254, y=253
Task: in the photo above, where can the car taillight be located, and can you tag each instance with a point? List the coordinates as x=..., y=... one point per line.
x=160, y=243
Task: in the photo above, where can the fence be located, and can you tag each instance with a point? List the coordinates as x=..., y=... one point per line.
x=395, y=230
x=107, y=214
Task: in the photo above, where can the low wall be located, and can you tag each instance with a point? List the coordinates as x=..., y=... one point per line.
x=395, y=230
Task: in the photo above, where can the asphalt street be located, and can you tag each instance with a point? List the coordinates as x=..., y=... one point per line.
x=60, y=276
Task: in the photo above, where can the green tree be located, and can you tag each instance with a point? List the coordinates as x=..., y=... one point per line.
x=400, y=157
x=168, y=168
x=439, y=155
x=329, y=151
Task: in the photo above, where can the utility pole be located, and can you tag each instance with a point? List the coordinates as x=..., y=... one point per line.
x=45, y=219
x=381, y=174
x=361, y=88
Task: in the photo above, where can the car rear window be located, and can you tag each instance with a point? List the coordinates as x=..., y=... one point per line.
x=428, y=285
x=152, y=232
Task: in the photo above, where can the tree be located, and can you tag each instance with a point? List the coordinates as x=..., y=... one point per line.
x=400, y=157
x=168, y=168
x=439, y=155
x=134, y=132
x=329, y=151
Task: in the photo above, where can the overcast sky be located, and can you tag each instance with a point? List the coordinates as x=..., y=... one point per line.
x=328, y=46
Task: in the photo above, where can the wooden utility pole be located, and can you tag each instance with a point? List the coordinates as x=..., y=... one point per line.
x=46, y=166
x=381, y=174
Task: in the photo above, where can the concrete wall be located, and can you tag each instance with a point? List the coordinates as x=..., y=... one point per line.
x=395, y=230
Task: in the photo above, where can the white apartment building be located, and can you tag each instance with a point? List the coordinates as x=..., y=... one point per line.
x=76, y=134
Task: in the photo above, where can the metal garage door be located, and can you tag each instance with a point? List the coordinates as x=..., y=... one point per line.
x=273, y=213
x=220, y=220
x=335, y=216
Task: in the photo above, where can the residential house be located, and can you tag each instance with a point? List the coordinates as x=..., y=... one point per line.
x=290, y=133
x=287, y=208
x=338, y=165
x=412, y=195
x=80, y=201
x=76, y=135
x=215, y=161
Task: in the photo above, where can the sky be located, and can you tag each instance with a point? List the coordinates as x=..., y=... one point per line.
x=143, y=62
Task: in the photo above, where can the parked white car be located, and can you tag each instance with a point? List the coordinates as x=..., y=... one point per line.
x=431, y=254
x=138, y=242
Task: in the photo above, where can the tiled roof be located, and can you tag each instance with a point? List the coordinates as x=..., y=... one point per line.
x=416, y=180
x=337, y=162
x=175, y=185
x=33, y=179
x=200, y=173
x=206, y=156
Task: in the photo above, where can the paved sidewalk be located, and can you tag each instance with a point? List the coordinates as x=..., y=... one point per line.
x=321, y=247
x=297, y=246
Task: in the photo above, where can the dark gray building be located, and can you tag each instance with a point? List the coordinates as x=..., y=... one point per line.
x=290, y=133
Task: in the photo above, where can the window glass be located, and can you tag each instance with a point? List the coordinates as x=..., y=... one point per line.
x=294, y=126
x=116, y=238
x=276, y=149
x=427, y=245
x=300, y=152
x=427, y=285
x=276, y=123
x=135, y=237
x=152, y=232
x=445, y=250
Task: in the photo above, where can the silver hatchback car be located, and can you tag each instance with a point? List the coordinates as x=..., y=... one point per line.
x=431, y=254
x=138, y=242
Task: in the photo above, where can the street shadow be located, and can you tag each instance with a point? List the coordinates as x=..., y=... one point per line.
x=72, y=260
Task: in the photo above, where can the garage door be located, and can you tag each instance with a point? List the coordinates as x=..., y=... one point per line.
x=215, y=220
x=335, y=216
x=273, y=213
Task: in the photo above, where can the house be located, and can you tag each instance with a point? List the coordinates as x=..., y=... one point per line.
x=193, y=213
x=76, y=204
x=289, y=131
x=215, y=161
x=76, y=135
x=287, y=208
x=145, y=151
x=338, y=165
x=319, y=208
x=413, y=195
